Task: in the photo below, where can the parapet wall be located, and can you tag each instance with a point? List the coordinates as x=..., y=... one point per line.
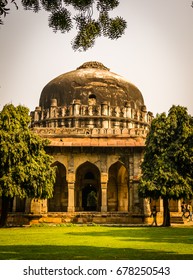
x=92, y=116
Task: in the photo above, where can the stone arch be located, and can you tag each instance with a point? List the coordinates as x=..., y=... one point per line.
x=117, y=188
x=87, y=188
x=59, y=201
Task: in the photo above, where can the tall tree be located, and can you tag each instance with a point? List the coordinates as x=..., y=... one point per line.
x=167, y=169
x=25, y=168
x=92, y=18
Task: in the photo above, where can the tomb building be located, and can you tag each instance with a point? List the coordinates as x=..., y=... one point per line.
x=96, y=122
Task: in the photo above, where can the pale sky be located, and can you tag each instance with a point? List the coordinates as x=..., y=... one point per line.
x=155, y=54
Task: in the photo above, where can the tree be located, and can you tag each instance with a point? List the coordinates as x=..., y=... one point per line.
x=89, y=25
x=25, y=168
x=167, y=168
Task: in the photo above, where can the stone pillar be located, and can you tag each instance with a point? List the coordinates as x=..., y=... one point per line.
x=117, y=114
x=53, y=112
x=37, y=114
x=76, y=107
x=147, y=211
x=130, y=208
x=128, y=110
x=36, y=206
x=76, y=112
x=105, y=112
x=179, y=205
x=71, y=207
x=150, y=117
x=104, y=179
x=71, y=194
x=144, y=113
x=146, y=205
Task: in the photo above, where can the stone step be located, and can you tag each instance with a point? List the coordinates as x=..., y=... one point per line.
x=176, y=220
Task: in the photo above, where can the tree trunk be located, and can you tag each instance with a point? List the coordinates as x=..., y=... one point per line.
x=166, y=221
x=4, y=211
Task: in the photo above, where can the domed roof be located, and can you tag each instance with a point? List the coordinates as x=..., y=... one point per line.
x=92, y=79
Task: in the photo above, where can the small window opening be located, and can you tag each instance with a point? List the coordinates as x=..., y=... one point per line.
x=92, y=96
x=92, y=99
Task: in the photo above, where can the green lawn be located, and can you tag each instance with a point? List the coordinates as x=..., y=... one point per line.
x=96, y=242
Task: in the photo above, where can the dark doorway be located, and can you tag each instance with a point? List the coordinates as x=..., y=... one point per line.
x=59, y=201
x=87, y=188
x=89, y=198
x=117, y=188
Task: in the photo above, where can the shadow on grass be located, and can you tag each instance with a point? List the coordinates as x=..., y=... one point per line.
x=46, y=247
x=155, y=234
x=51, y=252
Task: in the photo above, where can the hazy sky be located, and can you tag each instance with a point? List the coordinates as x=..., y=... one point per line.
x=155, y=54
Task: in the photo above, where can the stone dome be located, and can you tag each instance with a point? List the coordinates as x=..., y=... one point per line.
x=91, y=80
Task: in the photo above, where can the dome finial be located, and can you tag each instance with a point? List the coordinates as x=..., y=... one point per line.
x=93, y=64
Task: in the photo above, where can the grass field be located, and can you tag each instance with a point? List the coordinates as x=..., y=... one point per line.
x=96, y=243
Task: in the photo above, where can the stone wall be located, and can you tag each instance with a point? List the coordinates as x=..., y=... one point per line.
x=112, y=172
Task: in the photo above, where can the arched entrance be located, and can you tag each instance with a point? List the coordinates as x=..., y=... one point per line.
x=59, y=201
x=117, y=188
x=87, y=188
x=89, y=198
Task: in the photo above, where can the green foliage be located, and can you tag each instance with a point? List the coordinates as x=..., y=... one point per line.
x=88, y=31
x=168, y=161
x=31, y=5
x=24, y=167
x=51, y=5
x=81, y=5
x=89, y=25
x=60, y=20
x=107, y=5
x=4, y=10
x=115, y=28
